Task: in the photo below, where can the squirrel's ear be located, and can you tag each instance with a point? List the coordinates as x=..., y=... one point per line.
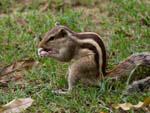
x=57, y=24
x=63, y=32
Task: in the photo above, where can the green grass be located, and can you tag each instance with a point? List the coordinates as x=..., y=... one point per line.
x=128, y=23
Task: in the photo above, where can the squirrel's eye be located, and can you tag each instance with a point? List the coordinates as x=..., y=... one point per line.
x=51, y=38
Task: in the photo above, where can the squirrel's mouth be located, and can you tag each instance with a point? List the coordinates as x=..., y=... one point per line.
x=46, y=52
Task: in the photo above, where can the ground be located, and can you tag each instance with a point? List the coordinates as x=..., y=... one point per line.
x=123, y=24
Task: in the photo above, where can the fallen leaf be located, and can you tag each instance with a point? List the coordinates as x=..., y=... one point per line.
x=15, y=72
x=44, y=8
x=128, y=106
x=16, y=77
x=16, y=105
x=30, y=31
x=146, y=101
x=21, y=21
x=18, y=66
x=124, y=106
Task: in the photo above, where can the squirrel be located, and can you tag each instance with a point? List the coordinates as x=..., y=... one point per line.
x=89, y=56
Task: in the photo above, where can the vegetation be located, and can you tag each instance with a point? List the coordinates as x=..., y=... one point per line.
x=125, y=24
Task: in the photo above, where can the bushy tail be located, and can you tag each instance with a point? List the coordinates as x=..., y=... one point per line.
x=125, y=67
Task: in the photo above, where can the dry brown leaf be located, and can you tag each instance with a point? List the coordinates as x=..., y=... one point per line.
x=16, y=77
x=21, y=21
x=16, y=105
x=44, y=8
x=15, y=72
x=30, y=31
x=128, y=106
x=18, y=66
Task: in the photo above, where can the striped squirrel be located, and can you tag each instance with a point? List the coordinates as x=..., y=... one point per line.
x=88, y=53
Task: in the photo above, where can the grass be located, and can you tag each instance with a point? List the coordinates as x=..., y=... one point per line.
x=124, y=23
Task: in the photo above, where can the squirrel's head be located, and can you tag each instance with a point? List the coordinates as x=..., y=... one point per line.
x=57, y=44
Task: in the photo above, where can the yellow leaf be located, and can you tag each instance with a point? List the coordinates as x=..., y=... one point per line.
x=139, y=105
x=146, y=101
x=124, y=106
x=128, y=106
